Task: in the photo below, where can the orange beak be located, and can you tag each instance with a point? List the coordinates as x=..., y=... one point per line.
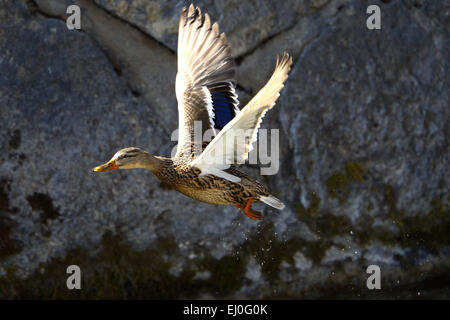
x=110, y=165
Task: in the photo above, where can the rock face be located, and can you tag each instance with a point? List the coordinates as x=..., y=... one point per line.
x=245, y=23
x=363, y=146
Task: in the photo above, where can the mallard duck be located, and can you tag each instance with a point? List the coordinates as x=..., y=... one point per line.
x=205, y=90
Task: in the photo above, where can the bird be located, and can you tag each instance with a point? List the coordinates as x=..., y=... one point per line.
x=205, y=90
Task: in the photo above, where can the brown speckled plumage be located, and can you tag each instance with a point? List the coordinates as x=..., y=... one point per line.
x=211, y=189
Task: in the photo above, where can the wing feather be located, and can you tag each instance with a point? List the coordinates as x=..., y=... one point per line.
x=205, y=65
x=234, y=142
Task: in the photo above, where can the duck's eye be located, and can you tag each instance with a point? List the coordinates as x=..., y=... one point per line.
x=123, y=156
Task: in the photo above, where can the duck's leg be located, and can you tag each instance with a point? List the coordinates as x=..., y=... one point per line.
x=249, y=212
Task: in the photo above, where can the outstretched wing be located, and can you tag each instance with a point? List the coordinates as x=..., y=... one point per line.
x=204, y=84
x=234, y=142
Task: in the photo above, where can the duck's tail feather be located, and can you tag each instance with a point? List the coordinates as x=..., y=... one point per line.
x=273, y=202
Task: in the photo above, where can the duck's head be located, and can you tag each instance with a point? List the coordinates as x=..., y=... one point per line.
x=128, y=158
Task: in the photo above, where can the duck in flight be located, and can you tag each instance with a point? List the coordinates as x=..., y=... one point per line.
x=205, y=90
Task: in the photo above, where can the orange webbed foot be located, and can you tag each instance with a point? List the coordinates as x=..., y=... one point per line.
x=249, y=212
x=252, y=214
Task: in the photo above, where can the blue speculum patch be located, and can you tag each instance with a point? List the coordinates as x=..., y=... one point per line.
x=223, y=109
